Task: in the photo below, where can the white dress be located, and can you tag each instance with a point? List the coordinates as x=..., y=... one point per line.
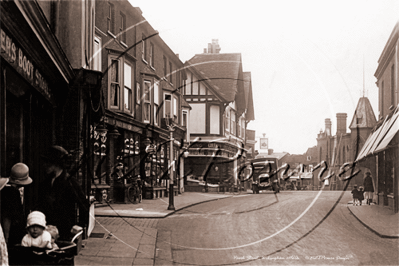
x=42, y=241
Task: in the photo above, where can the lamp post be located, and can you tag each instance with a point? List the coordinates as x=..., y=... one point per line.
x=172, y=166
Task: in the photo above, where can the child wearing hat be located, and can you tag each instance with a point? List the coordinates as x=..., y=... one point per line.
x=37, y=236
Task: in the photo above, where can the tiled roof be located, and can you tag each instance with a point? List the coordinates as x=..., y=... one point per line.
x=222, y=70
x=364, y=115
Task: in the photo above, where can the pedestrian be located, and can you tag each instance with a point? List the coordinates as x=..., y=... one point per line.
x=13, y=219
x=361, y=195
x=37, y=236
x=368, y=188
x=60, y=194
x=355, y=195
x=3, y=244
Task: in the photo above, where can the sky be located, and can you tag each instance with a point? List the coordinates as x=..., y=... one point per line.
x=309, y=59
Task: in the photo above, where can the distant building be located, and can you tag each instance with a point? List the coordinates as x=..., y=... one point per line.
x=220, y=95
x=343, y=147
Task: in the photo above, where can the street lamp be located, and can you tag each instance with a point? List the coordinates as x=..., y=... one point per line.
x=172, y=166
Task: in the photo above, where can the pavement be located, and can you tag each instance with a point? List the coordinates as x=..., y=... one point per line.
x=126, y=234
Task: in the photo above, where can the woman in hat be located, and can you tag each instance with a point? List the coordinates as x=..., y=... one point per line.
x=3, y=245
x=12, y=215
x=368, y=188
x=60, y=193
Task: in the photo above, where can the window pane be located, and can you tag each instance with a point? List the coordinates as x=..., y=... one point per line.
x=147, y=87
x=114, y=71
x=147, y=112
x=128, y=76
x=168, y=100
x=156, y=92
x=114, y=94
x=175, y=106
x=128, y=98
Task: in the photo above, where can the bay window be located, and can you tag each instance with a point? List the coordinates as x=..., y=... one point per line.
x=120, y=81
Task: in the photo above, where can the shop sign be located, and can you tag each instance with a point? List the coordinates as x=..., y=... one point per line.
x=18, y=59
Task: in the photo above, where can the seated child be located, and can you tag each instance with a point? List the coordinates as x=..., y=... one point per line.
x=355, y=195
x=52, y=229
x=37, y=236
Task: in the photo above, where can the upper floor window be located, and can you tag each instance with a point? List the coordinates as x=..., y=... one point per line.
x=156, y=103
x=184, y=117
x=110, y=18
x=114, y=84
x=97, y=54
x=227, y=121
x=233, y=123
x=122, y=28
x=152, y=54
x=393, y=85
x=128, y=95
x=188, y=84
x=170, y=72
x=171, y=106
x=120, y=90
x=165, y=67
x=144, y=48
x=147, y=101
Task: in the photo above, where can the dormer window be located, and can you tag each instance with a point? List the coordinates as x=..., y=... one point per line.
x=359, y=120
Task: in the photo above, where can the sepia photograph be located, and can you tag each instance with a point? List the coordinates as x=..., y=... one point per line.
x=183, y=132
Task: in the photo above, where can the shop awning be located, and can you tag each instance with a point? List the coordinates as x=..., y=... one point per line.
x=389, y=136
x=380, y=139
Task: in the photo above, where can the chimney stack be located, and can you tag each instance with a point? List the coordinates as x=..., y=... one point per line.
x=341, y=123
x=328, y=126
x=213, y=48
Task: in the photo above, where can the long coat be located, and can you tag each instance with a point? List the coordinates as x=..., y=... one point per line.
x=58, y=202
x=368, y=184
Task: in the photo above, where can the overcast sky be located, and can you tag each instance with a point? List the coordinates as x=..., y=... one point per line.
x=306, y=57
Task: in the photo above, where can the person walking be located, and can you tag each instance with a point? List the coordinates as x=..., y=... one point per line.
x=60, y=194
x=368, y=188
x=13, y=220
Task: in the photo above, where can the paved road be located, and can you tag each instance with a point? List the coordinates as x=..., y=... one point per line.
x=298, y=227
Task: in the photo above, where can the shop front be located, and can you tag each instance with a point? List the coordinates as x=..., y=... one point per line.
x=35, y=79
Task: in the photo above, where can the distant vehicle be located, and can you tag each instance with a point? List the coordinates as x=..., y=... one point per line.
x=264, y=175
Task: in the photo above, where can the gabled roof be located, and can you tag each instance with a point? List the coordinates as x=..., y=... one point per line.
x=222, y=70
x=365, y=112
x=250, y=115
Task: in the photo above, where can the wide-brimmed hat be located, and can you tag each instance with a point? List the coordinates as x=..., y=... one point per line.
x=3, y=182
x=55, y=154
x=20, y=175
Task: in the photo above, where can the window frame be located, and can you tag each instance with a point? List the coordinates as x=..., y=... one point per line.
x=147, y=101
x=144, y=48
x=120, y=107
x=111, y=18
x=122, y=28
x=97, y=63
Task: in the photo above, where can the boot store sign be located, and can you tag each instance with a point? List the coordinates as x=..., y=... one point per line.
x=18, y=59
